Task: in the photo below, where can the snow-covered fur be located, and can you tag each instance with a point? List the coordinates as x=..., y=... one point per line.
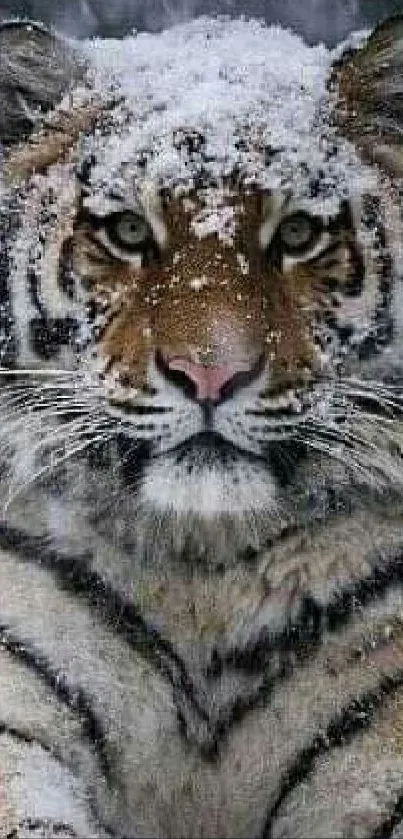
x=201, y=436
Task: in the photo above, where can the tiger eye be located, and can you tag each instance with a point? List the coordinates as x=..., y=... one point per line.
x=297, y=232
x=128, y=230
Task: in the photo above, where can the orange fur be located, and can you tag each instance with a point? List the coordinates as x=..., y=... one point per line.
x=53, y=142
x=230, y=315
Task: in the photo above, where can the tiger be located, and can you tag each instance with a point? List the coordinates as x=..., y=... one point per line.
x=201, y=340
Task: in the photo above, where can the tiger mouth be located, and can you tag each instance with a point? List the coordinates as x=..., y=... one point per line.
x=249, y=433
x=209, y=452
x=136, y=421
x=209, y=446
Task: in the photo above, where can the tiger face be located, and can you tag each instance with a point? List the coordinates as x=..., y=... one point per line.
x=226, y=313
x=213, y=347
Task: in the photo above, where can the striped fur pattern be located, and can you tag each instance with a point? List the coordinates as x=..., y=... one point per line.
x=201, y=611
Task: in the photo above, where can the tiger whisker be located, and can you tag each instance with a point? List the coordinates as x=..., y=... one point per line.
x=356, y=450
x=21, y=371
x=45, y=388
x=75, y=428
x=374, y=384
x=37, y=417
x=33, y=400
x=346, y=435
x=348, y=461
x=20, y=407
x=49, y=468
x=382, y=397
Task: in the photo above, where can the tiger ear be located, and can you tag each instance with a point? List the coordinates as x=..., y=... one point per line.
x=369, y=89
x=36, y=68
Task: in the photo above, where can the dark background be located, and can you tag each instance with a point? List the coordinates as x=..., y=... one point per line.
x=316, y=20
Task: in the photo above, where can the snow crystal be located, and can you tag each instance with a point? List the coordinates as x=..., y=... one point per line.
x=217, y=215
x=216, y=96
x=244, y=89
x=197, y=283
x=243, y=263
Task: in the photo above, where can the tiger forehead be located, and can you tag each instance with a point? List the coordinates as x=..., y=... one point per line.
x=213, y=235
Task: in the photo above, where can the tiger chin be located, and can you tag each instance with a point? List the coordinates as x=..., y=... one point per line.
x=200, y=444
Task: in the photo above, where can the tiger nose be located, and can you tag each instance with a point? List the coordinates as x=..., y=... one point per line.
x=212, y=382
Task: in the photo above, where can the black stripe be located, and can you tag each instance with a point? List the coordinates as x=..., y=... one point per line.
x=273, y=658
x=314, y=618
x=66, y=277
x=33, y=286
x=29, y=740
x=73, y=698
x=26, y=739
x=84, y=170
x=106, y=254
x=73, y=574
x=47, y=335
x=9, y=224
x=385, y=830
x=303, y=635
x=356, y=717
x=333, y=247
x=31, y=826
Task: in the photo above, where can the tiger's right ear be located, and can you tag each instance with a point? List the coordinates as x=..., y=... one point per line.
x=369, y=96
x=36, y=68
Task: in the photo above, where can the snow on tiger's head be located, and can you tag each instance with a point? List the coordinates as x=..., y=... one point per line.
x=190, y=231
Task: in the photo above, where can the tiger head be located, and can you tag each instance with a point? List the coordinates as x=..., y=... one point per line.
x=215, y=281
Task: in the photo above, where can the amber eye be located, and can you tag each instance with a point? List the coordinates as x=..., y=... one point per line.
x=298, y=232
x=128, y=230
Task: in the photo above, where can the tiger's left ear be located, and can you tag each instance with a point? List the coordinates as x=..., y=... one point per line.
x=36, y=68
x=369, y=96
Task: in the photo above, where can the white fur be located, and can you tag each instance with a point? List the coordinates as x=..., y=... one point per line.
x=205, y=489
x=21, y=303
x=33, y=785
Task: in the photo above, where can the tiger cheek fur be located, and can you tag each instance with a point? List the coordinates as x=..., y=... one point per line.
x=201, y=438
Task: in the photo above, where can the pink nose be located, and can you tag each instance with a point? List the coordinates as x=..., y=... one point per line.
x=208, y=380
